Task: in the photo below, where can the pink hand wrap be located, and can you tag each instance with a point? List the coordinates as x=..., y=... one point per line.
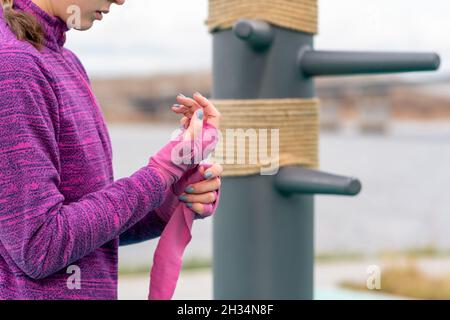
x=167, y=259
x=178, y=156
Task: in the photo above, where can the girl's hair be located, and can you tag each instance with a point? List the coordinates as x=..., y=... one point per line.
x=24, y=25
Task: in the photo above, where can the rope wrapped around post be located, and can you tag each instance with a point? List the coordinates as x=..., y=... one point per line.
x=255, y=133
x=299, y=15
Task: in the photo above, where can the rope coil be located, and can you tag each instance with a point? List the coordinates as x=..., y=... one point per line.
x=299, y=15
x=294, y=121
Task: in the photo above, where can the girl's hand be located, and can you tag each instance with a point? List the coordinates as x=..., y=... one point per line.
x=201, y=196
x=187, y=107
x=193, y=145
x=205, y=198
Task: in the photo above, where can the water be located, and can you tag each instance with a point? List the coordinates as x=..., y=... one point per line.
x=405, y=202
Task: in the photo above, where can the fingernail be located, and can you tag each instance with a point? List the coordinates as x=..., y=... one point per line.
x=208, y=175
x=181, y=95
x=200, y=114
x=189, y=205
x=177, y=105
x=189, y=190
x=183, y=198
x=198, y=93
x=182, y=128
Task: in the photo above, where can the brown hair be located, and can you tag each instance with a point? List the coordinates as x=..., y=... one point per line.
x=24, y=25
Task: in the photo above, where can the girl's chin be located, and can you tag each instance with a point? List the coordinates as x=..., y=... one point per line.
x=85, y=25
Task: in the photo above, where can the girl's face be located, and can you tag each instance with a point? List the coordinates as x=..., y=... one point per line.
x=81, y=14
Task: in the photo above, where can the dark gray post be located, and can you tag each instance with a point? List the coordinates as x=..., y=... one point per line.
x=263, y=230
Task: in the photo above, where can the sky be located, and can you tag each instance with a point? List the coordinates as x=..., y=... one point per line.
x=144, y=37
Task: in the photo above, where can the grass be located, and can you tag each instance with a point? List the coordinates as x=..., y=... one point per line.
x=422, y=252
x=188, y=265
x=407, y=280
x=336, y=257
x=403, y=277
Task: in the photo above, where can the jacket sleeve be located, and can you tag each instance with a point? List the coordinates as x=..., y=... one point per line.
x=150, y=227
x=153, y=224
x=41, y=233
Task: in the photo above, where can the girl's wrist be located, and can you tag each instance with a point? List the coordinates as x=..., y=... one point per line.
x=179, y=156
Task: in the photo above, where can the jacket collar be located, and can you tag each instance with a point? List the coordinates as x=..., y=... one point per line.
x=55, y=29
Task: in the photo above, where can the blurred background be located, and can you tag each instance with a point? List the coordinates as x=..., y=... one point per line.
x=392, y=132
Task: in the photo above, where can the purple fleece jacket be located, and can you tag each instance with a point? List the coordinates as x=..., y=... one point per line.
x=59, y=204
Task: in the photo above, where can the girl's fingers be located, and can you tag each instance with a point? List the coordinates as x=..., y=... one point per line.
x=184, y=122
x=185, y=111
x=180, y=109
x=208, y=209
x=202, y=209
x=214, y=171
x=194, y=132
x=212, y=114
x=205, y=198
x=198, y=124
x=188, y=102
x=204, y=186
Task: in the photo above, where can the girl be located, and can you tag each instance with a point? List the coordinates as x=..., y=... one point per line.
x=60, y=209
